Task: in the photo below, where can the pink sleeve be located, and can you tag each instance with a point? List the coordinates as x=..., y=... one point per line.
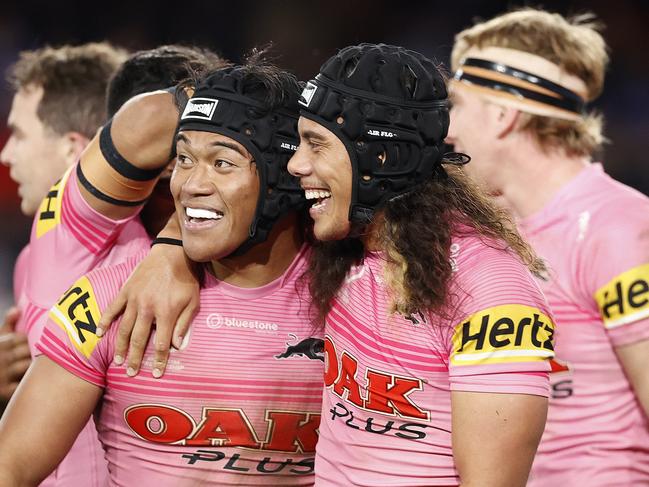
x=69, y=337
x=535, y=383
x=68, y=238
x=502, y=335
x=617, y=283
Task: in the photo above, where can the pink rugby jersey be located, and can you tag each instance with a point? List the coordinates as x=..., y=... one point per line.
x=68, y=239
x=239, y=403
x=19, y=280
x=387, y=403
x=594, y=234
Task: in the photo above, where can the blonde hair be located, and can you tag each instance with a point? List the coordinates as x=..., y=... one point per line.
x=574, y=44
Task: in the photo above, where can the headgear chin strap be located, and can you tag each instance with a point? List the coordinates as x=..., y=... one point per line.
x=388, y=106
x=221, y=105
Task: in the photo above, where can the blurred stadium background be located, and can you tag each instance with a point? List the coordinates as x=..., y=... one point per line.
x=304, y=34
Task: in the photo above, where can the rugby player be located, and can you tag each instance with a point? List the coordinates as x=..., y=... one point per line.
x=58, y=105
x=46, y=137
x=437, y=338
x=522, y=84
x=241, y=405
x=65, y=222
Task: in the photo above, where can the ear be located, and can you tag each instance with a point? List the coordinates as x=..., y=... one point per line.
x=74, y=144
x=506, y=120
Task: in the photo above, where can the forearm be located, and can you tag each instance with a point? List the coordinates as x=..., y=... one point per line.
x=142, y=130
x=121, y=165
x=42, y=421
x=172, y=228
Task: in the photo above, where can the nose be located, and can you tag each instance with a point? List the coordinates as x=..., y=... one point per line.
x=6, y=156
x=299, y=165
x=452, y=130
x=197, y=182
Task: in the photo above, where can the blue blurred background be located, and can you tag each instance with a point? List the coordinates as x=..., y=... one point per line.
x=306, y=33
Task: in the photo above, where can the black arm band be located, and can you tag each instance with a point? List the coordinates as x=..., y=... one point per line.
x=103, y=196
x=167, y=240
x=121, y=165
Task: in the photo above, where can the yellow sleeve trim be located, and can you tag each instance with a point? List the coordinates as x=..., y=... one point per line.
x=77, y=313
x=49, y=213
x=625, y=298
x=503, y=334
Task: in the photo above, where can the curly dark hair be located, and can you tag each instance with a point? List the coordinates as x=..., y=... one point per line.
x=415, y=231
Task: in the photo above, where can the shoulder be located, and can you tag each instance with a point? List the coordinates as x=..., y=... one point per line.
x=488, y=274
x=101, y=285
x=611, y=203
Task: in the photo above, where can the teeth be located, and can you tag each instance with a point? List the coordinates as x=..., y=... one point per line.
x=316, y=194
x=203, y=213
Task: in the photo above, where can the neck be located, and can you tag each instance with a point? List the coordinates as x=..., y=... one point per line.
x=533, y=177
x=371, y=237
x=264, y=262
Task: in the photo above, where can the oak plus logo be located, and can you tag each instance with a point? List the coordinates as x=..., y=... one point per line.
x=287, y=438
x=374, y=391
x=215, y=321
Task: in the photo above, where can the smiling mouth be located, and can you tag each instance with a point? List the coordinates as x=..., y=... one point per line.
x=319, y=195
x=202, y=215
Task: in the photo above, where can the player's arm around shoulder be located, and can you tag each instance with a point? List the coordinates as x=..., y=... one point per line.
x=42, y=421
x=164, y=289
x=121, y=164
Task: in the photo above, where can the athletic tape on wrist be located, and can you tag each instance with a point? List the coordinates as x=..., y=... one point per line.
x=97, y=193
x=121, y=165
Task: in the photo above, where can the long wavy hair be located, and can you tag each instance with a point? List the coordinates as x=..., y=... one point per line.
x=414, y=232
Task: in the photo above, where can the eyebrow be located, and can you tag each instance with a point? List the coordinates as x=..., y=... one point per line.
x=218, y=143
x=311, y=134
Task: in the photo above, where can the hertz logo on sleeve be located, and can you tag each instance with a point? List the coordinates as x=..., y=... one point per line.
x=77, y=313
x=507, y=333
x=49, y=213
x=625, y=298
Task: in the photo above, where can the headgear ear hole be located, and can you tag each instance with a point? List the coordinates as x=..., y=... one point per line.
x=340, y=120
x=382, y=156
